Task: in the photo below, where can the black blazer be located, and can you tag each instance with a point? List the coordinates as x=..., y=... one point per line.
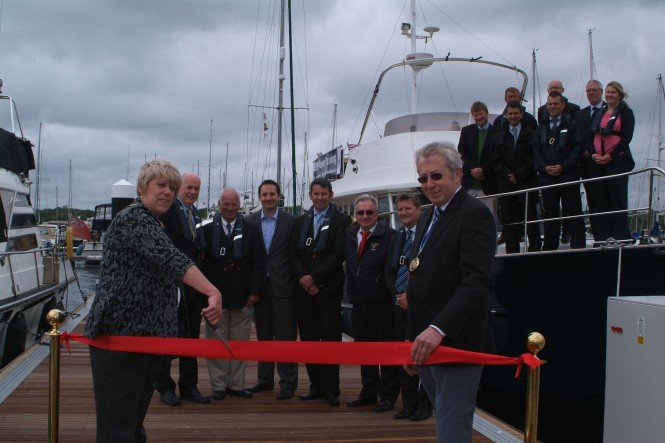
x=178, y=231
x=276, y=262
x=451, y=286
x=510, y=159
x=584, y=137
x=468, y=149
x=324, y=266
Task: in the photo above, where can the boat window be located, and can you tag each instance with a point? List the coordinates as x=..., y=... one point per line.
x=22, y=243
x=3, y=219
x=23, y=221
x=22, y=201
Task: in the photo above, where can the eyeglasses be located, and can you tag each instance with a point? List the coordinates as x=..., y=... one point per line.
x=361, y=213
x=434, y=176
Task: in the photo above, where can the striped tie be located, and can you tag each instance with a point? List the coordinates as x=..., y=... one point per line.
x=318, y=221
x=403, y=271
x=435, y=218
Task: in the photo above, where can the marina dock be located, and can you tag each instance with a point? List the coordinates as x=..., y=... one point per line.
x=24, y=412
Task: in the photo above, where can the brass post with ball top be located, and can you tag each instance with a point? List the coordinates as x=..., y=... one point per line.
x=535, y=343
x=55, y=318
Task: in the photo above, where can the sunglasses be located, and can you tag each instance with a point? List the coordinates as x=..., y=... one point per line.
x=362, y=213
x=434, y=176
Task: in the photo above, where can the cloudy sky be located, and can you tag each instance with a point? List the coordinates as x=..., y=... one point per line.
x=114, y=83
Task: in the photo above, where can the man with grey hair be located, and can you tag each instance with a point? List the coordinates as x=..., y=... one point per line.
x=449, y=288
x=585, y=118
x=235, y=265
x=366, y=252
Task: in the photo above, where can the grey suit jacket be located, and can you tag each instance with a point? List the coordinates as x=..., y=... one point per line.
x=277, y=262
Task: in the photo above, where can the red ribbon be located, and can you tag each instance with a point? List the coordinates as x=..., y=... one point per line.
x=344, y=353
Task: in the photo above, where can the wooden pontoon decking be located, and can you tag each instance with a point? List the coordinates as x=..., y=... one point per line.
x=24, y=413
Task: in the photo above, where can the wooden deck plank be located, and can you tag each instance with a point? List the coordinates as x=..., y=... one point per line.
x=24, y=414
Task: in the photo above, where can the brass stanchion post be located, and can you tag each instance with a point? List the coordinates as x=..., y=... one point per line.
x=535, y=342
x=55, y=318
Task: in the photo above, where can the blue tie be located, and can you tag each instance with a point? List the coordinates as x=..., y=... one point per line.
x=403, y=271
x=514, y=131
x=318, y=221
x=435, y=218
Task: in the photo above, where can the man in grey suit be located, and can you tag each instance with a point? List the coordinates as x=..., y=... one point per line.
x=449, y=289
x=275, y=313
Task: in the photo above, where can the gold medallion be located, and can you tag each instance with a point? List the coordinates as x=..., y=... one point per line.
x=414, y=264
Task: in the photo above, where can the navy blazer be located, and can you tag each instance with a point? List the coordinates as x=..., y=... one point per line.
x=558, y=147
x=451, y=286
x=236, y=278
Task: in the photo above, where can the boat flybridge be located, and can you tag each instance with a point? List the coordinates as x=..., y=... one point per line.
x=385, y=166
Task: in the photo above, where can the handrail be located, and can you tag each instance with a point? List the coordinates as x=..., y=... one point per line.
x=652, y=170
x=435, y=59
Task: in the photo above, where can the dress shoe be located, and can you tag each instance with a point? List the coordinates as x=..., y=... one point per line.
x=360, y=401
x=311, y=395
x=195, y=396
x=284, y=394
x=384, y=406
x=420, y=415
x=169, y=398
x=218, y=395
x=261, y=386
x=332, y=399
x=403, y=414
x=242, y=393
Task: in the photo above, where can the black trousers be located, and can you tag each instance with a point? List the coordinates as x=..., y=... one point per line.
x=123, y=385
x=414, y=397
x=189, y=326
x=275, y=319
x=376, y=322
x=320, y=319
x=609, y=195
x=512, y=213
x=571, y=204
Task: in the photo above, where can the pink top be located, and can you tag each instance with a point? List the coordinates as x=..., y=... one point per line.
x=612, y=140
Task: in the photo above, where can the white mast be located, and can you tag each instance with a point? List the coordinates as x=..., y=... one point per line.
x=280, y=105
x=591, y=62
x=409, y=30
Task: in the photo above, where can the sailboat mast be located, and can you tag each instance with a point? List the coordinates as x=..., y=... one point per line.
x=590, y=54
x=280, y=105
x=226, y=165
x=414, y=72
x=39, y=176
x=209, y=168
x=533, y=86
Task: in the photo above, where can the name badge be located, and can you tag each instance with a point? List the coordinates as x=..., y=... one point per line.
x=237, y=237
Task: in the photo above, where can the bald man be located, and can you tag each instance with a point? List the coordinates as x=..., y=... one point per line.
x=234, y=264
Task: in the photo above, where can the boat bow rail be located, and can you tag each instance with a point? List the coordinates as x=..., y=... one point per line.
x=417, y=64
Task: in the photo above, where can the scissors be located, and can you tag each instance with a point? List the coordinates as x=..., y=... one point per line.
x=218, y=333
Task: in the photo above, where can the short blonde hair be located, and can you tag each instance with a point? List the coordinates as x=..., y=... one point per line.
x=157, y=169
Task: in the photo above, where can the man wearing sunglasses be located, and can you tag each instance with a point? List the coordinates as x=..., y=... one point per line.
x=366, y=251
x=448, y=289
